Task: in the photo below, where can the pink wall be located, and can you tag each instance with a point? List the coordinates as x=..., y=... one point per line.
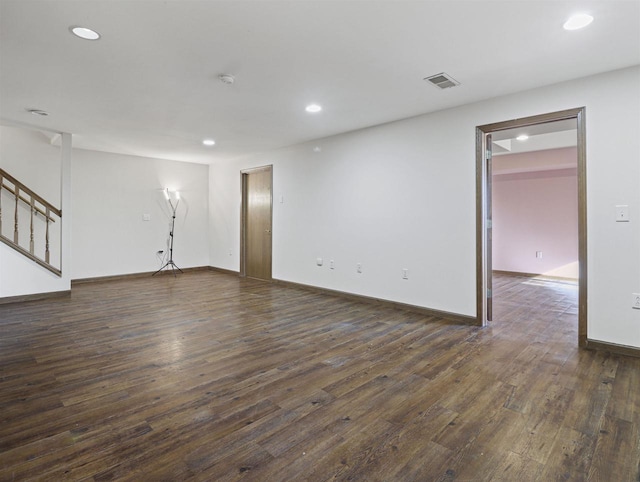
x=537, y=211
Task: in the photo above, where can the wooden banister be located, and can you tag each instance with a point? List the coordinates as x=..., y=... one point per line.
x=37, y=205
x=17, y=185
x=27, y=201
x=34, y=258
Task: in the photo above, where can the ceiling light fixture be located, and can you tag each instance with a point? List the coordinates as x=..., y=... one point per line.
x=313, y=108
x=39, y=112
x=522, y=137
x=578, y=21
x=209, y=142
x=84, y=33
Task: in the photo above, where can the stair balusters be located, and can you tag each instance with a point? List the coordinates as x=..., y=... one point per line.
x=36, y=205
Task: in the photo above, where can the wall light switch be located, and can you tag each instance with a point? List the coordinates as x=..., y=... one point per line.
x=622, y=213
x=636, y=301
x=319, y=261
x=146, y=217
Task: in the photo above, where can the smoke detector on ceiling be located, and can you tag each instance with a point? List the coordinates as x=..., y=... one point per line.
x=442, y=80
x=227, y=79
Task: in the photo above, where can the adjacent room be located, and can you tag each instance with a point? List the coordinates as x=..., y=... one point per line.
x=289, y=240
x=535, y=215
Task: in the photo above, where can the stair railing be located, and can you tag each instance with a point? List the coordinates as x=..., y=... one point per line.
x=38, y=207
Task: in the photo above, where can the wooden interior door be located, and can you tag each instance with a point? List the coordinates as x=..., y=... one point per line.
x=489, y=227
x=257, y=210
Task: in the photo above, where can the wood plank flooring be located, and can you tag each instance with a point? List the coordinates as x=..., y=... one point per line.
x=210, y=377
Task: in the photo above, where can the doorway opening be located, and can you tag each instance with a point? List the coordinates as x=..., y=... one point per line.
x=256, y=222
x=499, y=137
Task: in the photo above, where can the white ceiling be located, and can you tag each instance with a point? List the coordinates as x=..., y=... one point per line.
x=535, y=130
x=541, y=137
x=149, y=86
x=542, y=142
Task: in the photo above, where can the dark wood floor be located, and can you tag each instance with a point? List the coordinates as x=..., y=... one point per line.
x=210, y=377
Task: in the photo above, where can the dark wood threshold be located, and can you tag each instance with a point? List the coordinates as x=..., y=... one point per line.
x=454, y=317
x=129, y=276
x=35, y=297
x=224, y=271
x=535, y=275
x=613, y=348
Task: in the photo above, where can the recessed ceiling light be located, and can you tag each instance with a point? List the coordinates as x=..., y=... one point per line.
x=37, y=112
x=317, y=149
x=578, y=21
x=84, y=33
x=522, y=137
x=209, y=142
x=313, y=108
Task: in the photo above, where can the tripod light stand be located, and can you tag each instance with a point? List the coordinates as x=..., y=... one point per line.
x=170, y=263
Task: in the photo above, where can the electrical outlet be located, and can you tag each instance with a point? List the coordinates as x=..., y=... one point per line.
x=622, y=213
x=359, y=267
x=332, y=264
x=636, y=301
x=405, y=273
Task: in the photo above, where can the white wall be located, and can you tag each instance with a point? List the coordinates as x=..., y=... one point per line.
x=28, y=156
x=104, y=222
x=111, y=192
x=536, y=210
x=402, y=195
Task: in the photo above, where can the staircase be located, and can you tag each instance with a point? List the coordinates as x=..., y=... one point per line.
x=30, y=216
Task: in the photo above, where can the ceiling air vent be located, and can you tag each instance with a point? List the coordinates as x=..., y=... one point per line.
x=442, y=80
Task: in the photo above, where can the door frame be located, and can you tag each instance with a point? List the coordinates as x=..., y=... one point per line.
x=244, y=174
x=483, y=264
